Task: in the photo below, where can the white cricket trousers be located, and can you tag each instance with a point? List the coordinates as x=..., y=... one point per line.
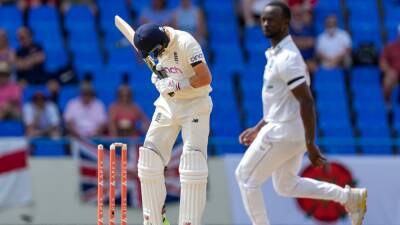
x=191, y=116
x=171, y=116
x=281, y=160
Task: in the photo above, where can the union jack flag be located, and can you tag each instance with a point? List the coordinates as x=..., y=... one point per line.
x=87, y=154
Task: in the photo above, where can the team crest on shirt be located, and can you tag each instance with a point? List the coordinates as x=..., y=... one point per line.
x=158, y=117
x=176, y=59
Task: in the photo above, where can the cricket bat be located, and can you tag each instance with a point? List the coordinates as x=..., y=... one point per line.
x=129, y=33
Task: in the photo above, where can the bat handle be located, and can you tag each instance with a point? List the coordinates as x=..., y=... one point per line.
x=161, y=75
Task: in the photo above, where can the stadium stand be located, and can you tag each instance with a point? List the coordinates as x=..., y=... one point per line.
x=349, y=103
x=49, y=148
x=10, y=20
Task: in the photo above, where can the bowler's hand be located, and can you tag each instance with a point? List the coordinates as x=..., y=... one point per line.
x=154, y=78
x=248, y=136
x=315, y=156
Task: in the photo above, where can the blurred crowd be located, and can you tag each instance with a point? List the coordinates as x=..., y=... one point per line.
x=333, y=47
x=86, y=115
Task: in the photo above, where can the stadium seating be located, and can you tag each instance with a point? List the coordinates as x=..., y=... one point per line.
x=364, y=22
x=11, y=128
x=30, y=90
x=10, y=20
x=79, y=18
x=225, y=117
x=44, y=22
x=108, y=9
x=43, y=147
x=396, y=118
x=368, y=104
x=348, y=107
x=85, y=62
x=324, y=9
x=67, y=93
x=332, y=107
x=56, y=60
x=391, y=18
x=251, y=82
x=44, y=16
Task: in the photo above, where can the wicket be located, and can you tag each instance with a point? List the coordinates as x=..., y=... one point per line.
x=112, y=178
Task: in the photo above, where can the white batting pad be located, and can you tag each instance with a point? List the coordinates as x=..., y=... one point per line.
x=193, y=175
x=151, y=174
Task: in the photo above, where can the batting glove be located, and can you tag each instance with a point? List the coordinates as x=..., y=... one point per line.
x=154, y=78
x=169, y=85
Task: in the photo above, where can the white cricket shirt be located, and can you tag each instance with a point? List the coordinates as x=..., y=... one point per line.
x=182, y=51
x=333, y=44
x=284, y=71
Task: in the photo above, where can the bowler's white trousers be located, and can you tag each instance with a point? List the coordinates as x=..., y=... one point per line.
x=281, y=160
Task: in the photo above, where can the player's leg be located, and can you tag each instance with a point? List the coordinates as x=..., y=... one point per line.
x=257, y=165
x=288, y=183
x=193, y=166
x=153, y=156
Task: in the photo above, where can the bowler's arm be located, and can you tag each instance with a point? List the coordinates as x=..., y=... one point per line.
x=307, y=110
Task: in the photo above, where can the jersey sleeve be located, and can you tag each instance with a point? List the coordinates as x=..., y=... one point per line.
x=293, y=71
x=193, y=51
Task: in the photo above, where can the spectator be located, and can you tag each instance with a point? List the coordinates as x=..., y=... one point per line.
x=24, y=5
x=303, y=35
x=10, y=95
x=251, y=9
x=65, y=5
x=308, y=5
x=41, y=117
x=157, y=13
x=190, y=18
x=334, y=45
x=125, y=115
x=85, y=115
x=30, y=59
x=7, y=54
x=7, y=2
x=390, y=65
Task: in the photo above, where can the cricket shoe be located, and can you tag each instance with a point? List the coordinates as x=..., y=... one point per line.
x=165, y=220
x=356, y=204
x=164, y=216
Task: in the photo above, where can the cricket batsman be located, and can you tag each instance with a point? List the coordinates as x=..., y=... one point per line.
x=180, y=57
x=278, y=142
